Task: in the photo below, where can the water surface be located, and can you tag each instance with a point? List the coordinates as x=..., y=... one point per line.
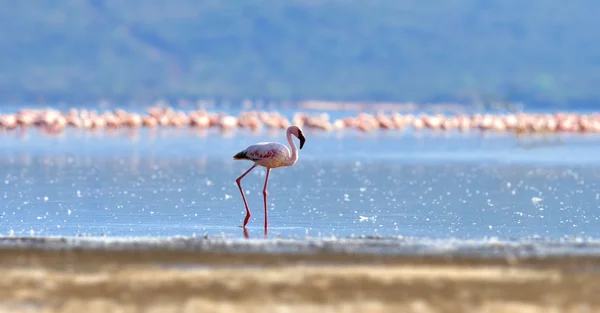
x=182, y=182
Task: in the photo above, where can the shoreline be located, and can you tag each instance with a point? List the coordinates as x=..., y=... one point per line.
x=142, y=279
x=217, y=275
x=348, y=251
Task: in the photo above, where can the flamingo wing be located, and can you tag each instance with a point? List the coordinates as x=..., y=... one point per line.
x=260, y=151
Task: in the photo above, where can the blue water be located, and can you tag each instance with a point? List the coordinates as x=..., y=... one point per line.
x=158, y=183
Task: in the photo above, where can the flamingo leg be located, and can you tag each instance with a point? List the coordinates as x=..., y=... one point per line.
x=238, y=181
x=265, y=196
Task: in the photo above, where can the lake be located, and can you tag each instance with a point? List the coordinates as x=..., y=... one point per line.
x=181, y=182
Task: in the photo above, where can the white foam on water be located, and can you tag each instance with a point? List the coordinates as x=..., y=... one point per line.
x=490, y=247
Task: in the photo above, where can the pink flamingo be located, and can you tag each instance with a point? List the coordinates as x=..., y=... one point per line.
x=269, y=155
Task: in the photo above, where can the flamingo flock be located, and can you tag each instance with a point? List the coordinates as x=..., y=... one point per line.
x=54, y=121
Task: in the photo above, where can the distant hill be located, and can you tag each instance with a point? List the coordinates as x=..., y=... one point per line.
x=537, y=51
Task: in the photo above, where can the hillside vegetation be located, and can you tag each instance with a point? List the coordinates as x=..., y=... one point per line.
x=537, y=51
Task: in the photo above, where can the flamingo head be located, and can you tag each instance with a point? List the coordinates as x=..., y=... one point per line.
x=296, y=131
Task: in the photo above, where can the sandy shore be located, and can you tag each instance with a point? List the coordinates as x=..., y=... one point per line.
x=80, y=280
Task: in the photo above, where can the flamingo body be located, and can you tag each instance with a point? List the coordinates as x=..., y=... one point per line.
x=269, y=155
x=266, y=154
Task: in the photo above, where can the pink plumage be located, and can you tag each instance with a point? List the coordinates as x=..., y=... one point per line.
x=269, y=155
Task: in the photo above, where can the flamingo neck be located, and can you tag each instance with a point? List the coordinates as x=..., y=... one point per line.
x=294, y=157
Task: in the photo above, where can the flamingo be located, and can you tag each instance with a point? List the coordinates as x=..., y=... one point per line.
x=269, y=155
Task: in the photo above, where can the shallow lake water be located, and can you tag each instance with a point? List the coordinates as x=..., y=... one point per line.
x=158, y=183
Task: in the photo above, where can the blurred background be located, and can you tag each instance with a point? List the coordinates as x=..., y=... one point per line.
x=540, y=52
x=120, y=194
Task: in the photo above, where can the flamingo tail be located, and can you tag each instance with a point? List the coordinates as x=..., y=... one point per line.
x=241, y=156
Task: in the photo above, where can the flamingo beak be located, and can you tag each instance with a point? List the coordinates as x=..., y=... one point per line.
x=302, y=139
